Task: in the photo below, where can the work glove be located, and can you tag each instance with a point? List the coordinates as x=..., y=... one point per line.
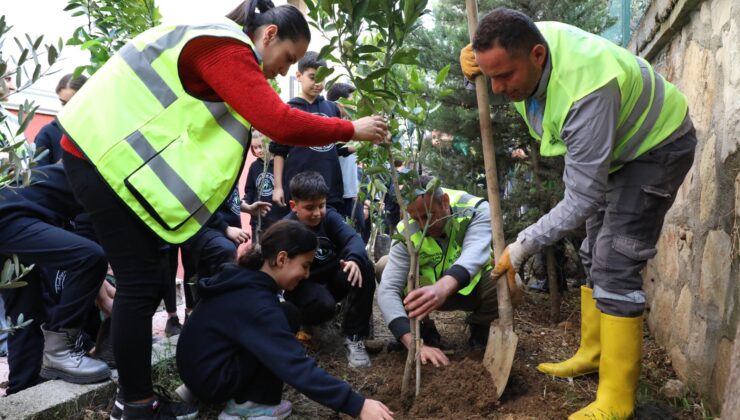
x=467, y=61
x=508, y=264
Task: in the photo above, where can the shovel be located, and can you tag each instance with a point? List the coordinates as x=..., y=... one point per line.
x=502, y=339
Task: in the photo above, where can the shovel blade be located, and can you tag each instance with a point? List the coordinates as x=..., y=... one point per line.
x=499, y=356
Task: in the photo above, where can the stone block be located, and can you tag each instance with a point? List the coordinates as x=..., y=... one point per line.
x=696, y=353
x=681, y=326
x=661, y=315
x=679, y=363
x=721, y=13
x=698, y=83
x=721, y=373
x=737, y=195
x=728, y=121
x=708, y=177
x=715, y=274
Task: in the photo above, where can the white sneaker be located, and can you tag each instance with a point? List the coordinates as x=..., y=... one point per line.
x=254, y=411
x=356, y=353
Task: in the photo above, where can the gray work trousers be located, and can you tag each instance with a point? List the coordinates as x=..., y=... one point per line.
x=621, y=236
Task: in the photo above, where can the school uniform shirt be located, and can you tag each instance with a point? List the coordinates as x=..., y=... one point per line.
x=49, y=138
x=240, y=311
x=255, y=178
x=322, y=159
x=337, y=241
x=228, y=213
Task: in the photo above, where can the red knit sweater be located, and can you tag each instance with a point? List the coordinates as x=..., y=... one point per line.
x=221, y=69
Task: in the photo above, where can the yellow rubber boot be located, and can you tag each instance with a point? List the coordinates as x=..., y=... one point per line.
x=586, y=359
x=619, y=370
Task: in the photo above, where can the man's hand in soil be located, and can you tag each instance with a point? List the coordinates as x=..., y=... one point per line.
x=422, y=301
x=354, y=276
x=428, y=353
x=373, y=409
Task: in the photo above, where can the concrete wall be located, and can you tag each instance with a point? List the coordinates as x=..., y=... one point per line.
x=692, y=284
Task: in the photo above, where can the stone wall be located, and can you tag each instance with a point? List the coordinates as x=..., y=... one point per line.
x=692, y=284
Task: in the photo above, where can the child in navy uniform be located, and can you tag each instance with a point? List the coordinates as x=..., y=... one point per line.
x=290, y=161
x=35, y=225
x=251, y=347
x=259, y=186
x=341, y=268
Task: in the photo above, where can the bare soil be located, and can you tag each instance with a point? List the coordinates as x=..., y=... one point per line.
x=464, y=390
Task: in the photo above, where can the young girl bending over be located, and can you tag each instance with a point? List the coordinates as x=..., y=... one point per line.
x=239, y=346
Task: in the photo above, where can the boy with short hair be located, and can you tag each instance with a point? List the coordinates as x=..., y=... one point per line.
x=290, y=161
x=340, y=269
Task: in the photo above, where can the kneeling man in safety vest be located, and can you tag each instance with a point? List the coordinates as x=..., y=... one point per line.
x=454, y=269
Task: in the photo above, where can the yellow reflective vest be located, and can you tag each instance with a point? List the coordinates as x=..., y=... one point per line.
x=433, y=260
x=171, y=157
x=651, y=108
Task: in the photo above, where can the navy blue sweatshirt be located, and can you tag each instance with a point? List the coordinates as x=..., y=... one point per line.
x=49, y=138
x=254, y=179
x=49, y=198
x=337, y=241
x=228, y=213
x=239, y=312
x=322, y=159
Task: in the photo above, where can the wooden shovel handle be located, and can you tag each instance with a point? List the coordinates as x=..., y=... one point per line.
x=489, y=158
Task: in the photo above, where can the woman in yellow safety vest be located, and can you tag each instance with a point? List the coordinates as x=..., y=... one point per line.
x=155, y=141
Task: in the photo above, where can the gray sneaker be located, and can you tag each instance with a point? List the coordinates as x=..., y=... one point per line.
x=356, y=353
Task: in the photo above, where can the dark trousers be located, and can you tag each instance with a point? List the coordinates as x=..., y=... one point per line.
x=36, y=242
x=317, y=301
x=245, y=378
x=621, y=236
x=140, y=261
x=210, y=249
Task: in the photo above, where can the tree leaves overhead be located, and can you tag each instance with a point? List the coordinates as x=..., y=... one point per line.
x=111, y=23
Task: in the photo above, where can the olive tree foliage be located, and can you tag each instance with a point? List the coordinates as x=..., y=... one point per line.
x=110, y=24
x=25, y=61
x=367, y=39
x=530, y=185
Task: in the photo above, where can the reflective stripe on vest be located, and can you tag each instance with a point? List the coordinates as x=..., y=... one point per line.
x=171, y=157
x=651, y=108
x=433, y=260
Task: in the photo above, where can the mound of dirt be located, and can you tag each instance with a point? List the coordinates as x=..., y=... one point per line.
x=461, y=390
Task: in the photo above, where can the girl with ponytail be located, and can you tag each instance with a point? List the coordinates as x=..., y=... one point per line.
x=163, y=101
x=239, y=346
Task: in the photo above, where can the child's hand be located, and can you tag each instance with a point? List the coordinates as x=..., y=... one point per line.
x=373, y=409
x=373, y=128
x=261, y=207
x=237, y=235
x=278, y=197
x=354, y=276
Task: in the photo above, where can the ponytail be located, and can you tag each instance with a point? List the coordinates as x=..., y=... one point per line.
x=290, y=21
x=253, y=259
x=290, y=236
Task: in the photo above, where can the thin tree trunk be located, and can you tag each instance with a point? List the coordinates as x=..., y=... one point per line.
x=552, y=282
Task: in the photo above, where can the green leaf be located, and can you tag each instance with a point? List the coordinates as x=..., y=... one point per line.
x=7, y=272
x=376, y=74
x=398, y=237
x=52, y=55
x=405, y=56
x=442, y=75
x=365, y=49
x=321, y=74
x=379, y=186
x=36, y=73
x=325, y=51
x=23, y=57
